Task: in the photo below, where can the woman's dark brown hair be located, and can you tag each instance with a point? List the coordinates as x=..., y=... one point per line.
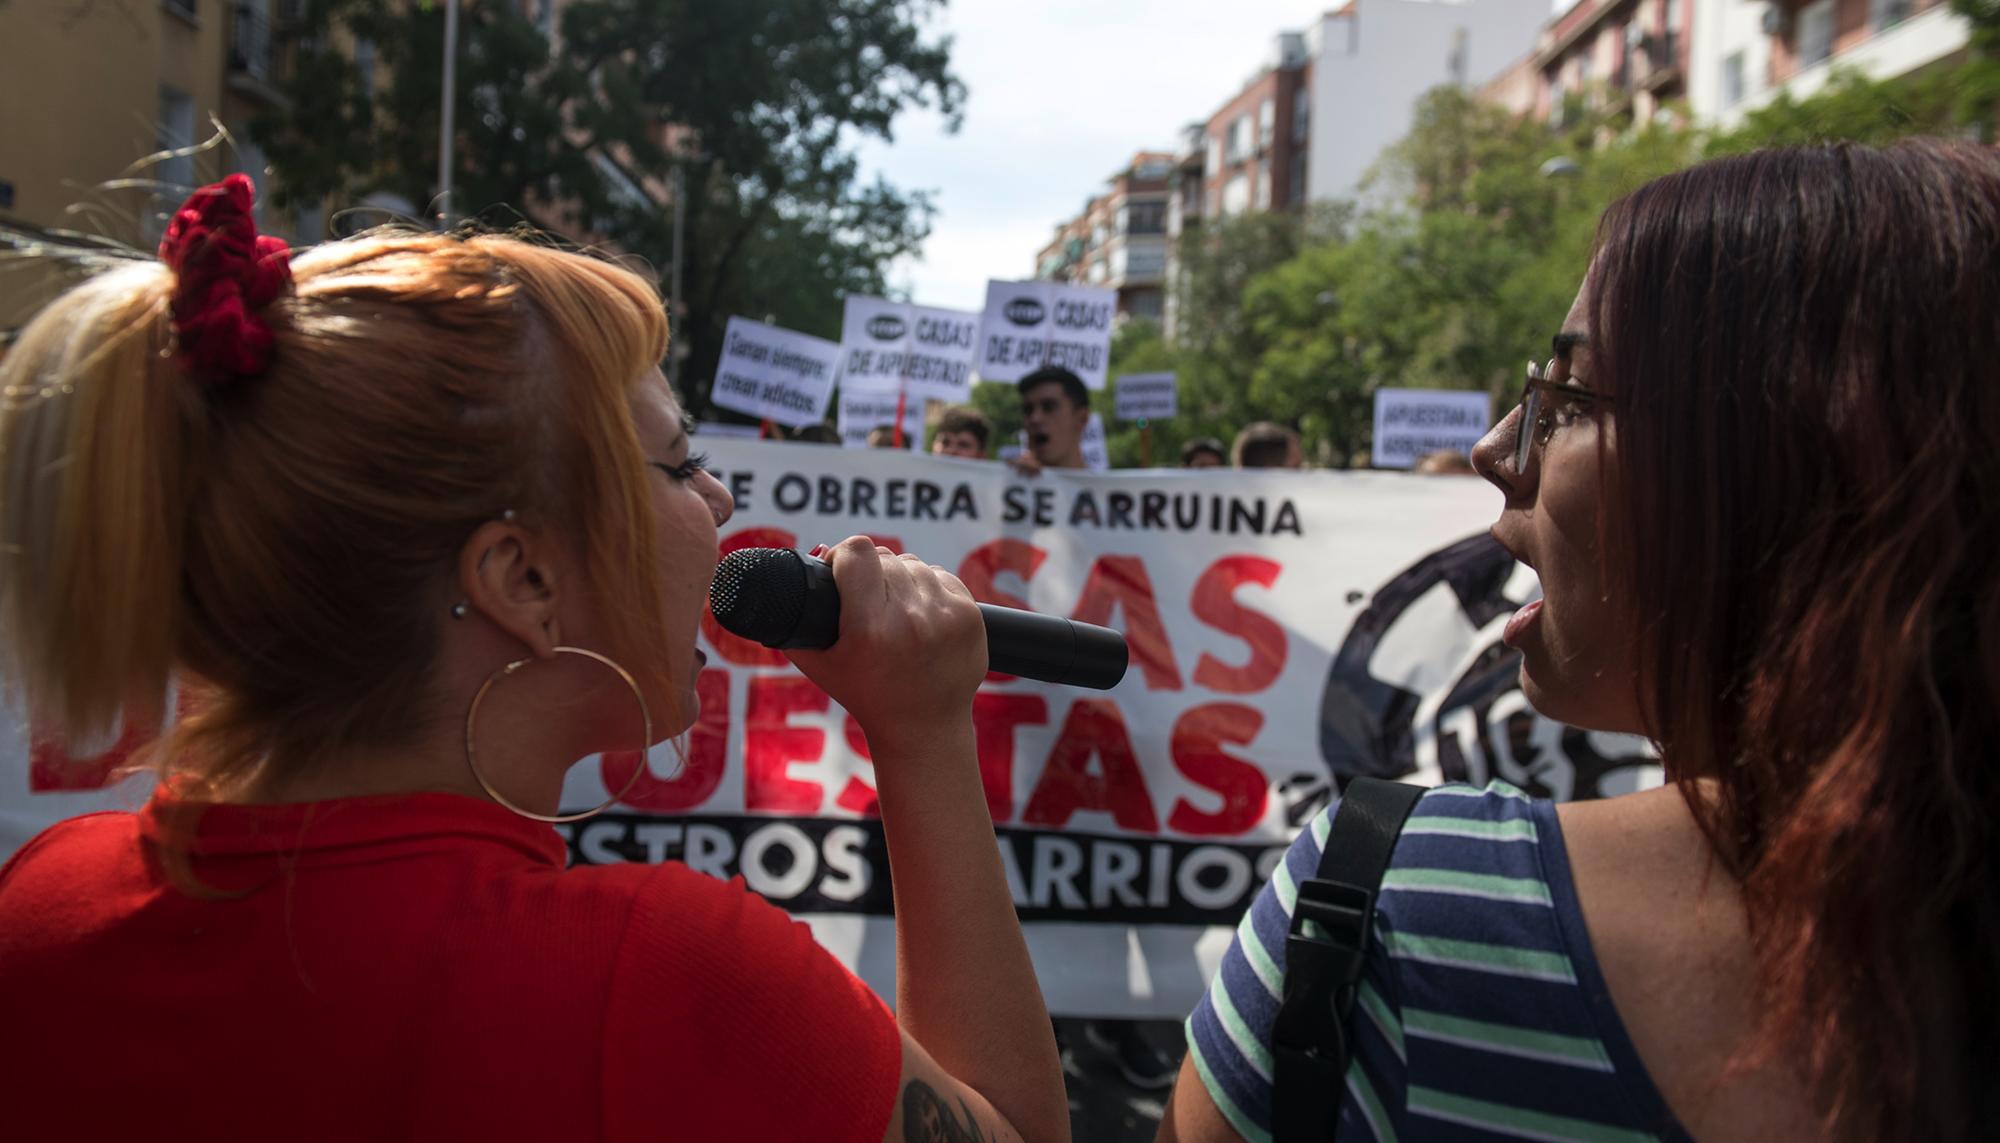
x=1804, y=352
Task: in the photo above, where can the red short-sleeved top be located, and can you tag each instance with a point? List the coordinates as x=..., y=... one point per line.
x=414, y=967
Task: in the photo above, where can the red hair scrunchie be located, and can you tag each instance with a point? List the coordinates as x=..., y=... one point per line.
x=226, y=274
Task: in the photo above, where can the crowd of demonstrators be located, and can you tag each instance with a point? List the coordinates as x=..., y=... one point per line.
x=886, y=436
x=341, y=497
x=1757, y=482
x=816, y=434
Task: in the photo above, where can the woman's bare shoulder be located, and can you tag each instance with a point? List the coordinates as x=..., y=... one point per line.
x=1667, y=928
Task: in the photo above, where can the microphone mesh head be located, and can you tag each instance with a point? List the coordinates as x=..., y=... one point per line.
x=759, y=593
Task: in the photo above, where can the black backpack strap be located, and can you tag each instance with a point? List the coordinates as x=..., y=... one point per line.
x=1310, y=1041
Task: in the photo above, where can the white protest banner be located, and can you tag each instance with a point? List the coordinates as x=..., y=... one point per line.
x=1410, y=424
x=1146, y=396
x=1031, y=324
x=708, y=430
x=896, y=347
x=1288, y=630
x=862, y=412
x=777, y=374
x=1096, y=452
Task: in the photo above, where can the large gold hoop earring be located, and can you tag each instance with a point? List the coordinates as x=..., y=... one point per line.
x=471, y=751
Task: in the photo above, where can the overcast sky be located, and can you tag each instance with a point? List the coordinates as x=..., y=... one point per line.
x=1061, y=93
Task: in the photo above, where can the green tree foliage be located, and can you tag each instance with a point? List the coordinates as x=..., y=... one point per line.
x=1477, y=230
x=758, y=104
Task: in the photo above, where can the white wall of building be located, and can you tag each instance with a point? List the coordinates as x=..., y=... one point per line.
x=1376, y=58
x=1729, y=59
x=1896, y=50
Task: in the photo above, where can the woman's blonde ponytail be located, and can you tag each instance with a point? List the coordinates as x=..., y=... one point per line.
x=98, y=430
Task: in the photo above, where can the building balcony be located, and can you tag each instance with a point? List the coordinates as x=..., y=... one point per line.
x=257, y=50
x=1922, y=40
x=1660, y=60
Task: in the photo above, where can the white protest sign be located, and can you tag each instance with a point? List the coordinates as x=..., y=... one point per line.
x=773, y=373
x=1147, y=396
x=725, y=429
x=873, y=333
x=1080, y=331
x=1413, y=423
x=938, y=363
x=889, y=347
x=1096, y=453
x=862, y=412
x=1031, y=324
x=1013, y=331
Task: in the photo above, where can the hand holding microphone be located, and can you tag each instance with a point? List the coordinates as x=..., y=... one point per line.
x=782, y=599
x=904, y=655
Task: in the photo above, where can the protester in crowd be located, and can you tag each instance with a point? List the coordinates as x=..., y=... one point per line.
x=415, y=522
x=962, y=431
x=816, y=433
x=1055, y=410
x=1757, y=482
x=884, y=436
x=1266, y=444
x=1444, y=462
x=1204, y=452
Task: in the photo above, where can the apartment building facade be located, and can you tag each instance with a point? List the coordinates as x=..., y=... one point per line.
x=1747, y=52
x=1374, y=59
x=1625, y=58
x=1250, y=154
x=108, y=100
x=1119, y=239
x=96, y=88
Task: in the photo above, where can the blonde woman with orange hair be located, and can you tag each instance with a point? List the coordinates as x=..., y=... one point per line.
x=415, y=521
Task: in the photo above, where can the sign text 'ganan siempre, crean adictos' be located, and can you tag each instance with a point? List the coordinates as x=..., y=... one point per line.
x=779, y=375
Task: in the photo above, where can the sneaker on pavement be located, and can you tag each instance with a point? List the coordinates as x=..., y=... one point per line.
x=1143, y=1065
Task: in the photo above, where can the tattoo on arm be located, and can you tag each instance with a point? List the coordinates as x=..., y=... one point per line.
x=927, y=1118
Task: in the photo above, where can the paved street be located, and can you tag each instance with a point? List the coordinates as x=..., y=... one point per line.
x=1103, y=1105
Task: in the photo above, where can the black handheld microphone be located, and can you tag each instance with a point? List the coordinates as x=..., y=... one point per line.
x=780, y=598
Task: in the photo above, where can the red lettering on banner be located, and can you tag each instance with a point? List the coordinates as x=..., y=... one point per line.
x=1197, y=748
x=1214, y=603
x=983, y=564
x=994, y=717
x=701, y=768
x=735, y=648
x=858, y=796
x=1094, y=728
x=1121, y=582
x=771, y=744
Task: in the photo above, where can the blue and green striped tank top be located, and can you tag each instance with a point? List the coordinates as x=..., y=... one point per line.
x=1482, y=1012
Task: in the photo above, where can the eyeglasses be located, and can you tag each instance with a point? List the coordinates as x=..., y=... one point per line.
x=1537, y=417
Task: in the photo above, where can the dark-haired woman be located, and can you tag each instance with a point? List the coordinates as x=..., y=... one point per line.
x=1760, y=482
